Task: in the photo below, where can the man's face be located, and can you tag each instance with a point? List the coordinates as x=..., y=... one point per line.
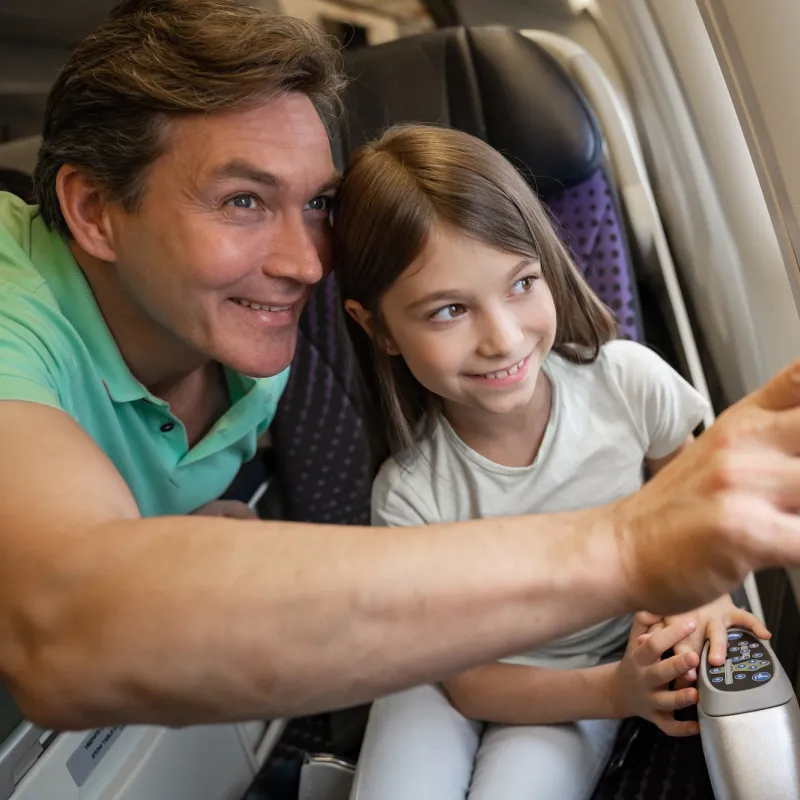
x=232, y=233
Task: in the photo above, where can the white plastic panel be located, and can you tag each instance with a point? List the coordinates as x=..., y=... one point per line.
x=707, y=188
x=147, y=763
x=757, y=48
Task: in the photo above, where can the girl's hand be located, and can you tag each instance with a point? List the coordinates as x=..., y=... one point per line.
x=641, y=685
x=712, y=622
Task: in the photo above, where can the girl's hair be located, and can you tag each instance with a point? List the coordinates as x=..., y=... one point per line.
x=394, y=192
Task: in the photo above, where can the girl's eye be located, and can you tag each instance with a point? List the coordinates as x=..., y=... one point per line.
x=446, y=313
x=245, y=201
x=322, y=203
x=524, y=285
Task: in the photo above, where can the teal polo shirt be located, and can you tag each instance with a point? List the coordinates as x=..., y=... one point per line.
x=56, y=349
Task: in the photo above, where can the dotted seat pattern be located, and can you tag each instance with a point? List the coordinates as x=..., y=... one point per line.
x=590, y=226
x=322, y=456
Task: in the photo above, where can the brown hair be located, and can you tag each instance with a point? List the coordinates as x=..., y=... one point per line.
x=394, y=192
x=108, y=111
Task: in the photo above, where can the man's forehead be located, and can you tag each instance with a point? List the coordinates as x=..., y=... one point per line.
x=284, y=138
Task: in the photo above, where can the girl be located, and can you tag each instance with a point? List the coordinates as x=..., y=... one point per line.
x=504, y=391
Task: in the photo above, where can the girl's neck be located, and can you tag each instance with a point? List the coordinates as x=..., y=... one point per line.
x=513, y=439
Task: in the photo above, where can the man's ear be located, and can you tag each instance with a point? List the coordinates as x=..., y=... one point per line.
x=85, y=208
x=367, y=321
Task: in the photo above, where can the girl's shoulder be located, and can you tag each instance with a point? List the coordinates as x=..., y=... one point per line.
x=616, y=360
x=401, y=492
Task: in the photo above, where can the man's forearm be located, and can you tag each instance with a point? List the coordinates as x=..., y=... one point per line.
x=514, y=694
x=181, y=620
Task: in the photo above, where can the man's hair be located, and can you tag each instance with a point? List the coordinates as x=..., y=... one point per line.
x=108, y=112
x=394, y=194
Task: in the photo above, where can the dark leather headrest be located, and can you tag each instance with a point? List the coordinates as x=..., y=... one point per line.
x=489, y=81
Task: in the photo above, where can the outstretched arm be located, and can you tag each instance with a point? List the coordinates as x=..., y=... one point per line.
x=106, y=617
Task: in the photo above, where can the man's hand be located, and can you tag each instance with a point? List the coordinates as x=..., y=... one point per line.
x=233, y=509
x=725, y=506
x=641, y=688
x=711, y=623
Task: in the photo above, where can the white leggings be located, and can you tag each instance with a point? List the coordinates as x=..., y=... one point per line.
x=418, y=747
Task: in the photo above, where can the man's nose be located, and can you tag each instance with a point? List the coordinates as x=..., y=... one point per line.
x=500, y=332
x=295, y=252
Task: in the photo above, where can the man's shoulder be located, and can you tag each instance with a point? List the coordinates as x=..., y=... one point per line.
x=34, y=336
x=20, y=274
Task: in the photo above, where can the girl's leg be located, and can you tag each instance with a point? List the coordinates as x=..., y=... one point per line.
x=416, y=747
x=543, y=761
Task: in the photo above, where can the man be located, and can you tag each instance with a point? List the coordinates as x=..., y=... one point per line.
x=185, y=182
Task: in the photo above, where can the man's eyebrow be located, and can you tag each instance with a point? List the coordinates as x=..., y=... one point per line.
x=245, y=170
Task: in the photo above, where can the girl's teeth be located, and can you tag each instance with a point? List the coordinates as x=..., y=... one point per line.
x=504, y=373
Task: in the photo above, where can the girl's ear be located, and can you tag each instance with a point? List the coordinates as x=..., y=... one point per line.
x=360, y=315
x=367, y=321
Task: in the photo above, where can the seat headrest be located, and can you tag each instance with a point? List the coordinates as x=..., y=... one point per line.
x=489, y=81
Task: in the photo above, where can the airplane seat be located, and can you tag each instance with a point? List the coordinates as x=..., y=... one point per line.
x=322, y=453
x=16, y=182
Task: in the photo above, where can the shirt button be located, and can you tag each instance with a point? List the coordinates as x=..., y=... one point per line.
x=167, y=427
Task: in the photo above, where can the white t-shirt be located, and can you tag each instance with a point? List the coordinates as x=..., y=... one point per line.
x=605, y=419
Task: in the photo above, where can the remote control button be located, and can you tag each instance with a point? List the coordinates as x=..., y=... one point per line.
x=760, y=677
x=758, y=655
x=717, y=680
x=717, y=670
x=733, y=636
x=737, y=659
x=740, y=676
x=733, y=649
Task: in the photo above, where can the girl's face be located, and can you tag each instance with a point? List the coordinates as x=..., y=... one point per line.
x=474, y=324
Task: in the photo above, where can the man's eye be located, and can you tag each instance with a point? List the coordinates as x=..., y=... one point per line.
x=323, y=203
x=245, y=201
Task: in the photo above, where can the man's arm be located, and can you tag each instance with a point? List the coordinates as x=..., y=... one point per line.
x=108, y=618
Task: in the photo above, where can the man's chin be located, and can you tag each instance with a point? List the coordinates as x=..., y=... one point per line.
x=265, y=364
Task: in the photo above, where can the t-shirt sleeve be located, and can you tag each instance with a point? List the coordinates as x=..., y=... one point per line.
x=397, y=500
x=29, y=368
x=665, y=407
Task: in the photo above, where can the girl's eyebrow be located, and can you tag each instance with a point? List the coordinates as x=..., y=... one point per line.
x=455, y=294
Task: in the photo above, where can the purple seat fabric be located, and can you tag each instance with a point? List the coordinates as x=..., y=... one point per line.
x=590, y=223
